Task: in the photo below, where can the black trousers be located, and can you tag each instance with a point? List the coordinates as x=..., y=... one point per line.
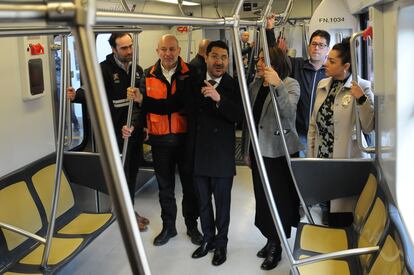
x=284, y=194
x=221, y=189
x=132, y=161
x=166, y=158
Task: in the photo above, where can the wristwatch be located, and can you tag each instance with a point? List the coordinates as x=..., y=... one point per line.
x=362, y=100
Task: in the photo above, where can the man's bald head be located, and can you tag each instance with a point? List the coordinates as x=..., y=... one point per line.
x=169, y=38
x=202, y=47
x=168, y=51
x=245, y=37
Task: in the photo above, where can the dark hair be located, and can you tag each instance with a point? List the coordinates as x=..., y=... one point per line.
x=279, y=61
x=115, y=36
x=344, y=51
x=218, y=44
x=323, y=34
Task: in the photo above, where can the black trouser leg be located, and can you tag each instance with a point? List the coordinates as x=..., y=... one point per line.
x=204, y=189
x=132, y=161
x=222, y=198
x=164, y=165
x=190, y=201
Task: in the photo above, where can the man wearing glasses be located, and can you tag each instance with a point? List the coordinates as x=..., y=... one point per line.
x=308, y=73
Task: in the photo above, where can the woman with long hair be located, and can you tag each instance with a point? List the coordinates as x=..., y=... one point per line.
x=271, y=147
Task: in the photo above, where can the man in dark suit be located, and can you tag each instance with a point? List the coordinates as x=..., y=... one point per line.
x=212, y=107
x=216, y=110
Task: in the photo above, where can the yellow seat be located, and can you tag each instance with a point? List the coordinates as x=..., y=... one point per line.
x=322, y=239
x=329, y=267
x=84, y=223
x=17, y=208
x=61, y=249
x=389, y=260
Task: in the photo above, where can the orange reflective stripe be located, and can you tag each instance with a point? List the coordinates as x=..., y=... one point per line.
x=160, y=124
x=178, y=123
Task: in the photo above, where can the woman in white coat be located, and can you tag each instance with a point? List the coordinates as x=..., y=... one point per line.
x=332, y=131
x=332, y=126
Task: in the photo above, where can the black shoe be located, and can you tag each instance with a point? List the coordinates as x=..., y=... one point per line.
x=219, y=256
x=202, y=251
x=166, y=234
x=274, y=255
x=195, y=235
x=262, y=253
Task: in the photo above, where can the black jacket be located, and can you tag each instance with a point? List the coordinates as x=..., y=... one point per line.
x=116, y=82
x=308, y=78
x=210, y=143
x=199, y=64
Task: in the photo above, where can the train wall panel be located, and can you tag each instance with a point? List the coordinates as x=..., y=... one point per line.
x=27, y=126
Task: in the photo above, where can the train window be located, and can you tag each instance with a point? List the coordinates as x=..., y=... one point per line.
x=74, y=135
x=405, y=117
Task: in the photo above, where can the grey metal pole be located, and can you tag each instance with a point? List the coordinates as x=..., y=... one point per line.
x=105, y=18
x=69, y=132
x=279, y=124
x=22, y=232
x=132, y=84
x=105, y=137
x=190, y=38
x=59, y=149
x=354, y=66
x=255, y=142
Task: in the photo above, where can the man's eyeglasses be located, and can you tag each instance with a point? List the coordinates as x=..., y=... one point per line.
x=319, y=45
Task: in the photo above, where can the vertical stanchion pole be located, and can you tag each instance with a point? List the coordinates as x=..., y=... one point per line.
x=59, y=149
x=255, y=141
x=105, y=137
x=190, y=38
x=132, y=84
x=280, y=125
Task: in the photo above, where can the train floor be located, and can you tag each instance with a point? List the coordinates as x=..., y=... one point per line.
x=106, y=254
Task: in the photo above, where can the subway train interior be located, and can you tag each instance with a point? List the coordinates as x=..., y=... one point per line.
x=65, y=207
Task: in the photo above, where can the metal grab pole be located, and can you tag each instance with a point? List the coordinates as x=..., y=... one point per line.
x=253, y=53
x=67, y=84
x=354, y=65
x=105, y=137
x=190, y=38
x=282, y=132
x=255, y=141
x=132, y=84
x=59, y=149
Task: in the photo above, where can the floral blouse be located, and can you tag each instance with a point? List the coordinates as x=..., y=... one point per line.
x=325, y=122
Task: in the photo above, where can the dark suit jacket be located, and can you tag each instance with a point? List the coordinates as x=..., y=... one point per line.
x=213, y=130
x=210, y=143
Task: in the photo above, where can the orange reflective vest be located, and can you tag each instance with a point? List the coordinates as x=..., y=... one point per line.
x=158, y=89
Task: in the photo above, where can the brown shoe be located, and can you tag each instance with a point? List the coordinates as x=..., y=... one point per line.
x=141, y=219
x=142, y=227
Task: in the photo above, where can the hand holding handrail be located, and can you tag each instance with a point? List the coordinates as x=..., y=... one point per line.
x=354, y=63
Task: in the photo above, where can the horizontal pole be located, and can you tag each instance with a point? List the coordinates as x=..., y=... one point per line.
x=22, y=232
x=25, y=31
x=331, y=160
x=22, y=13
x=123, y=18
x=336, y=255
